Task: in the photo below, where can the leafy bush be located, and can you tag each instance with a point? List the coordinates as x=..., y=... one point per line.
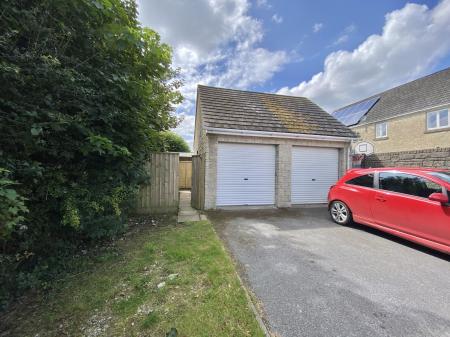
x=12, y=206
x=86, y=90
x=172, y=142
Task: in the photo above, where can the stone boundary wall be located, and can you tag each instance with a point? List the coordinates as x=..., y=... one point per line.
x=431, y=158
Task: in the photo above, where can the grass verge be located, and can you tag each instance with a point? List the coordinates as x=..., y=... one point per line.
x=157, y=279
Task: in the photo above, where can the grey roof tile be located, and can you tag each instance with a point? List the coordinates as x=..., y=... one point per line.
x=423, y=93
x=246, y=110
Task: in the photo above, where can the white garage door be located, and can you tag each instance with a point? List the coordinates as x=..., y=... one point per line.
x=245, y=174
x=314, y=170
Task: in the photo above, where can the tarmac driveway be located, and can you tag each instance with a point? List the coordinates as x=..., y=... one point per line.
x=315, y=278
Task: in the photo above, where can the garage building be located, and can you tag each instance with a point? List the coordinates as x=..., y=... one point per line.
x=259, y=149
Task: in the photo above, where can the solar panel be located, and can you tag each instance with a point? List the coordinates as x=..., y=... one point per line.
x=352, y=114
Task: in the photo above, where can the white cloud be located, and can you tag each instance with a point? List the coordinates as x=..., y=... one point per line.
x=277, y=18
x=349, y=29
x=200, y=26
x=413, y=40
x=215, y=42
x=263, y=4
x=345, y=35
x=253, y=66
x=317, y=27
x=341, y=39
x=186, y=128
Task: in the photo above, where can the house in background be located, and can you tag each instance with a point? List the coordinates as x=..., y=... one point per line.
x=264, y=149
x=407, y=125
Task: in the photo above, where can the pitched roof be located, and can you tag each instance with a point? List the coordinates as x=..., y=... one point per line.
x=245, y=110
x=424, y=93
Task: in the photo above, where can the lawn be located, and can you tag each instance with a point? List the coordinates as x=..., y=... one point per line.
x=154, y=279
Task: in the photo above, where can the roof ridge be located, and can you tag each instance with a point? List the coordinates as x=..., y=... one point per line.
x=253, y=92
x=396, y=87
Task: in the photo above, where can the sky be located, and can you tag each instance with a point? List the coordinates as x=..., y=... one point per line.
x=332, y=52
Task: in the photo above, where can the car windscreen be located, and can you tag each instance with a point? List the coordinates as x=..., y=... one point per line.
x=445, y=176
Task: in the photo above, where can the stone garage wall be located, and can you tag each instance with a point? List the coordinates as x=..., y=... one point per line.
x=439, y=157
x=283, y=162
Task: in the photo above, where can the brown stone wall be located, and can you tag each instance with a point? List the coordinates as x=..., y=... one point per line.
x=432, y=158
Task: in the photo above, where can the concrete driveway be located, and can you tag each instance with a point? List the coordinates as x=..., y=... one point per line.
x=315, y=278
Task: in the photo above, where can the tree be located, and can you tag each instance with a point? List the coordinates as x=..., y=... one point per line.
x=85, y=91
x=172, y=142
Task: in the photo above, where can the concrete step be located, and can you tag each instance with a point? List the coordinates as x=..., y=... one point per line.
x=187, y=213
x=187, y=218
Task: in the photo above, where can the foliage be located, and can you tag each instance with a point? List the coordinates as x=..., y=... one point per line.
x=12, y=206
x=119, y=288
x=172, y=142
x=87, y=91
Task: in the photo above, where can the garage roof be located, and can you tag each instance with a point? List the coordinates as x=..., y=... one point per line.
x=424, y=93
x=255, y=111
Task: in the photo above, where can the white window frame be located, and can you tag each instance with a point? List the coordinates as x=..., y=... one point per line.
x=378, y=127
x=438, y=119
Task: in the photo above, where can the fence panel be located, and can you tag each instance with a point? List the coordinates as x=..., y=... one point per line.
x=160, y=195
x=198, y=182
x=185, y=174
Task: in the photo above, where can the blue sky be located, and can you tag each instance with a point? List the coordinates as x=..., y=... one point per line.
x=333, y=52
x=365, y=18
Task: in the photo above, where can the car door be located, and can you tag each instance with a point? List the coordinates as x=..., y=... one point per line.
x=358, y=193
x=388, y=205
x=402, y=203
x=427, y=218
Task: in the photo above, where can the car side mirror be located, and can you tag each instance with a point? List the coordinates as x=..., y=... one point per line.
x=439, y=197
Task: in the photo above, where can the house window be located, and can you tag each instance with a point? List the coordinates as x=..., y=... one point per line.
x=437, y=119
x=381, y=130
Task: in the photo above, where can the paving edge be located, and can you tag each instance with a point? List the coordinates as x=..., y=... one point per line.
x=250, y=303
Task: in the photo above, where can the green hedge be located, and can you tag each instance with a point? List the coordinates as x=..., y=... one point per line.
x=85, y=93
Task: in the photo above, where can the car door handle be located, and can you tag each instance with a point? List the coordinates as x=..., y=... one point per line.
x=380, y=198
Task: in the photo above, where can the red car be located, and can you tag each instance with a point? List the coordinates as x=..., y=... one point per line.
x=410, y=203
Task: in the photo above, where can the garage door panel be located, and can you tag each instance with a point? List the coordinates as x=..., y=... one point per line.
x=245, y=174
x=314, y=170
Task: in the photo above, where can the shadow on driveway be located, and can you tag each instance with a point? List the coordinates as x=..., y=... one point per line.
x=400, y=241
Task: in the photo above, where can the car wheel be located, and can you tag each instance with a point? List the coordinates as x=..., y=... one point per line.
x=340, y=213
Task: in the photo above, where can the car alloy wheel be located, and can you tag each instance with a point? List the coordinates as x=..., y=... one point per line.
x=340, y=212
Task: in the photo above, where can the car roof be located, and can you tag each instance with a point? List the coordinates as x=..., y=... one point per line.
x=403, y=169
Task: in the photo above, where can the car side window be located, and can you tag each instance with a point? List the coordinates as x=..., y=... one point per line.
x=408, y=184
x=365, y=180
x=430, y=188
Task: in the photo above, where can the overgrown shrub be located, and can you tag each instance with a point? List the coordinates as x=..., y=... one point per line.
x=169, y=141
x=85, y=91
x=12, y=206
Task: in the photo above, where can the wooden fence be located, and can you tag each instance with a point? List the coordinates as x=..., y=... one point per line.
x=185, y=174
x=160, y=195
x=198, y=182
